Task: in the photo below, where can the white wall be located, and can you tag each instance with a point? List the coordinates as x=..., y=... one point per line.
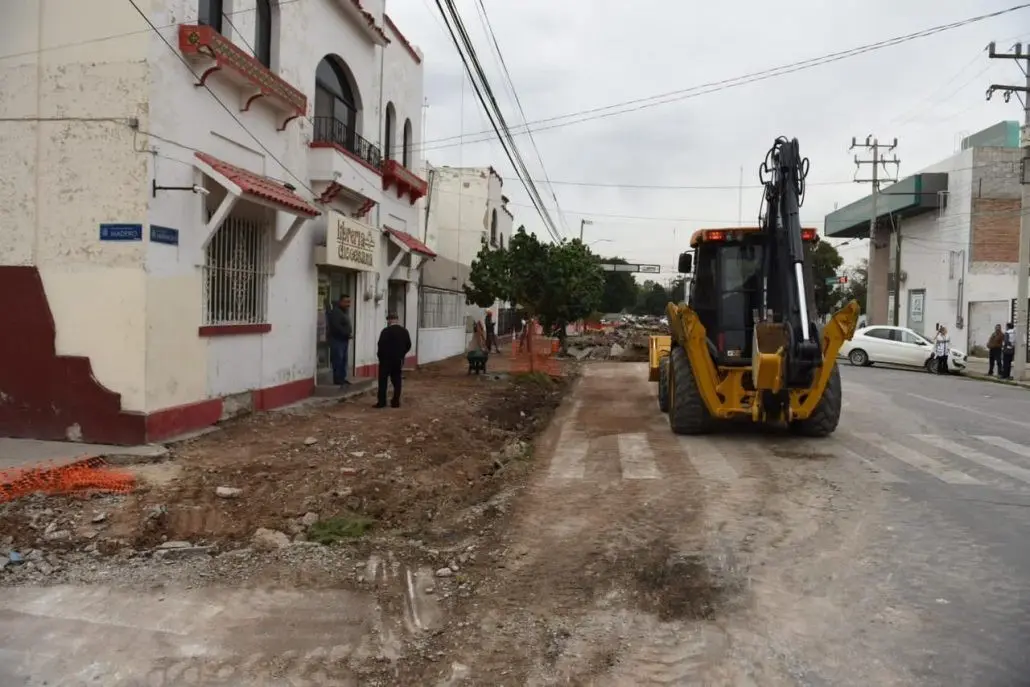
x=134, y=308
x=75, y=62
x=440, y=343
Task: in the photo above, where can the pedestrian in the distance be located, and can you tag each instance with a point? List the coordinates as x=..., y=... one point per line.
x=1008, y=351
x=491, y=333
x=994, y=346
x=394, y=344
x=340, y=334
x=942, y=347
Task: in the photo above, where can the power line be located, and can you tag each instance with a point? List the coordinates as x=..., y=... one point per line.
x=124, y=34
x=518, y=102
x=579, y=117
x=512, y=153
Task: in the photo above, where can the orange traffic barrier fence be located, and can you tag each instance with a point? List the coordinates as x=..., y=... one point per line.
x=90, y=474
x=536, y=353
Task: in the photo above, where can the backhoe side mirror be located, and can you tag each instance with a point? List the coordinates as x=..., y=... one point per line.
x=686, y=263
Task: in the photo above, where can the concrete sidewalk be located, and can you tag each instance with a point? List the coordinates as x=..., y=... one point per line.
x=978, y=368
x=18, y=454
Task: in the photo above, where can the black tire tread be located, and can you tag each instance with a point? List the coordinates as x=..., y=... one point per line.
x=663, y=384
x=823, y=422
x=687, y=411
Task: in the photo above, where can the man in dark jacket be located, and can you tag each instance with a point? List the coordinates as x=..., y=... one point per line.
x=340, y=333
x=394, y=344
x=994, y=346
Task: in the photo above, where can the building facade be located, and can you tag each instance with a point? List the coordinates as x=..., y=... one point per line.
x=185, y=194
x=466, y=209
x=956, y=226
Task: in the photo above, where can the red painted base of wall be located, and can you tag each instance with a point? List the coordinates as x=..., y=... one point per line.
x=48, y=396
x=372, y=371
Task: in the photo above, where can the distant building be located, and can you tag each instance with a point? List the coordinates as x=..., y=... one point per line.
x=467, y=210
x=957, y=224
x=181, y=205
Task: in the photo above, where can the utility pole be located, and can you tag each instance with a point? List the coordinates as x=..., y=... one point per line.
x=877, y=162
x=1020, y=361
x=583, y=223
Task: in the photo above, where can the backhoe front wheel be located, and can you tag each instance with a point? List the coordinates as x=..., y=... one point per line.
x=824, y=420
x=663, y=384
x=688, y=413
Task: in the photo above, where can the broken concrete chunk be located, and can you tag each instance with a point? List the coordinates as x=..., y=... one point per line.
x=309, y=519
x=269, y=540
x=310, y=441
x=444, y=572
x=175, y=545
x=228, y=492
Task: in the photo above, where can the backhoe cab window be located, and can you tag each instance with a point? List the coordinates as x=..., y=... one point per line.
x=740, y=267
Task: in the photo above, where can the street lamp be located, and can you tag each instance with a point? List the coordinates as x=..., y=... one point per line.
x=583, y=223
x=594, y=243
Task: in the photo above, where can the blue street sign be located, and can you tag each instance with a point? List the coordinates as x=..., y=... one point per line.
x=164, y=235
x=121, y=232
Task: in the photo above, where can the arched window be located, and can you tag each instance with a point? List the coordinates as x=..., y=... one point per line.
x=263, y=33
x=501, y=242
x=336, y=108
x=209, y=13
x=407, y=143
x=391, y=118
x=493, y=227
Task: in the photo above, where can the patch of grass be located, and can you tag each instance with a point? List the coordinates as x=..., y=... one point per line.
x=533, y=378
x=339, y=528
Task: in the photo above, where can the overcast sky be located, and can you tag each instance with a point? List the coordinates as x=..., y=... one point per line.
x=566, y=57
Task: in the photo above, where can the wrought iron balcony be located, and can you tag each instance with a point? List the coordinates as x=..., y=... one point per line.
x=331, y=131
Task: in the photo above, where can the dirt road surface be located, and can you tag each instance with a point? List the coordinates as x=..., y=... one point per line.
x=610, y=553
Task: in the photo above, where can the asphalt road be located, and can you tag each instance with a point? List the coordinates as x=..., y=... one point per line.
x=952, y=456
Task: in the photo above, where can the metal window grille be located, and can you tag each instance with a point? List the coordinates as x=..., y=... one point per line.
x=441, y=309
x=236, y=273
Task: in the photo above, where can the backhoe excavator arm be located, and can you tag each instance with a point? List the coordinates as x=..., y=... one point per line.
x=786, y=350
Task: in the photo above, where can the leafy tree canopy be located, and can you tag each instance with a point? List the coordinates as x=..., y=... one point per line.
x=554, y=283
x=825, y=263
x=620, y=289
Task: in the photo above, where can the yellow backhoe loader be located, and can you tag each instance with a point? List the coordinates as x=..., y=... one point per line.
x=746, y=345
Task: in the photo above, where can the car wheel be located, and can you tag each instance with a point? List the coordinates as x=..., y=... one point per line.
x=931, y=365
x=858, y=358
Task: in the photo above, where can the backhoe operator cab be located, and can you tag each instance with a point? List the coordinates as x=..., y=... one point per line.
x=726, y=289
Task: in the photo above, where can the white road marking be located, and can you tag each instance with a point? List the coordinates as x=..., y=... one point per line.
x=917, y=459
x=709, y=461
x=978, y=457
x=1010, y=446
x=636, y=457
x=567, y=461
x=993, y=416
x=883, y=475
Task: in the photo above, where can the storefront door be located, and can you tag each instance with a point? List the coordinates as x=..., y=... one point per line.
x=333, y=283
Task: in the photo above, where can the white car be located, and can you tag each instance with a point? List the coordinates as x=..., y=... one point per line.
x=896, y=346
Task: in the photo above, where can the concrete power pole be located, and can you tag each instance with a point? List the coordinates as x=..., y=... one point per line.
x=1020, y=361
x=583, y=223
x=876, y=300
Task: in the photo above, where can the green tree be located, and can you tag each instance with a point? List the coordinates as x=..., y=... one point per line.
x=554, y=283
x=858, y=284
x=620, y=289
x=825, y=263
x=678, y=292
x=654, y=298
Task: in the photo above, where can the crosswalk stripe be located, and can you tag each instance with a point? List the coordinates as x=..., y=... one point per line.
x=636, y=457
x=978, y=457
x=1010, y=446
x=917, y=459
x=567, y=461
x=884, y=475
x=709, y=461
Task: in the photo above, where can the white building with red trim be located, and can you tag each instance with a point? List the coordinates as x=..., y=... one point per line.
x=187, y=187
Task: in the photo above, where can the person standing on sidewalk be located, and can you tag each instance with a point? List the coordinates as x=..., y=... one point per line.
x=942, y=348
x=491, y=333
x=394, y=344
x=340, y=333
x=994, y=345
x=1008, y=351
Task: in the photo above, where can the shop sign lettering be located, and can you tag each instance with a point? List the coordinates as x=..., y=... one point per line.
x=355, y=243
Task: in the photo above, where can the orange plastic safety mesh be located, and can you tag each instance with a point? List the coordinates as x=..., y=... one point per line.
x=90, y=474
x=536, y=353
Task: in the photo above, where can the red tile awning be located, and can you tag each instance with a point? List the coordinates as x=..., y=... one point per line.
x=251, y=184
x=412, y=243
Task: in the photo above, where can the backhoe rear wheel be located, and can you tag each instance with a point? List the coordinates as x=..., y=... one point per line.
x=823, y=422
x=687, y=411
x=663, y=384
